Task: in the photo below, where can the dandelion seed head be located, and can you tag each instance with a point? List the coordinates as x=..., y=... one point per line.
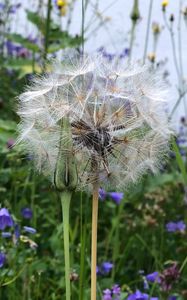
x=117, y=117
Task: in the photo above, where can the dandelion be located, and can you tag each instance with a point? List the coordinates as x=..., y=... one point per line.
x=90, y=122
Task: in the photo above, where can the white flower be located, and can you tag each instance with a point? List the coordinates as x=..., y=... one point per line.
x=117, y=116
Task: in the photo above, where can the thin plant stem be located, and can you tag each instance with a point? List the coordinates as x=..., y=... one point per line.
x=47, y=30
x=94, y=240
x=82, y=26
x=65, y=201
x=147, y=30
x=132, y=34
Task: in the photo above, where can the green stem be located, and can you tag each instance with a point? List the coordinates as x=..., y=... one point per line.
x=65, y=201
x=47, y=31
x=147, y=31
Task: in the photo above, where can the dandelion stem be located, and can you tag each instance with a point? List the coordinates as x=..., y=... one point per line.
x=65, y=201
x=94, y=240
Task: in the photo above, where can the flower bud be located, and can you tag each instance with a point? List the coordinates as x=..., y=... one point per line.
x=65, y=177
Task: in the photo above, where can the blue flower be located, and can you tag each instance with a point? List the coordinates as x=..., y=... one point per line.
x=172, y=297
x=27, y=213
x=116, y=290
x=29, y=229
x=153, y=277
x=102, y=194
x=106, y=267
x=2, y=259
x=140, y=296
x=6, y=234
x=116, y=196
x=176, y=226
x=5, y=219
x=107, y=294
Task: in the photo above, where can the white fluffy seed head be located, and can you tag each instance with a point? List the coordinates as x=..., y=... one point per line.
x=117, y=114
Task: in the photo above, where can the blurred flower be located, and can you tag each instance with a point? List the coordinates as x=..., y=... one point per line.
x=62, y=6
x=164, y=4
x=5, y=219
x=168, y=277
x=102, y=194
x=10, y=143
x=112, y=294
x=27, y=213
x=13, y=8
x=116, y=117
x=152, y=57
x=107, y=294
x=173, y=297
x=176, y=226
x=116, y=196
x=156, y=28
x=6, y=234
x=29, y=229
x=2, y=259
x=106, y=267
x=116, y=290
x=153, y=277
x=140, y=296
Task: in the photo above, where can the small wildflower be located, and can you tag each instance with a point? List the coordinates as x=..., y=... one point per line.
x=10, y=143
x=153, y=277
x=152, y=57
x=5, y=219
x=116, y=196
x=6, y=234
x=116, y=290
x=2, y=259
x=179, y=226
x=156, y=28
x=140, y=296
x=168, y=277
x=27, y=213
x=107, y=294
x=29, y=229
x=106, y=267
x=102, y=194
x=164, y=4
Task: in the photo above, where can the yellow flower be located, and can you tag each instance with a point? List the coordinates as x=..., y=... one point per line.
x=61, y=2
x=63, y=10
x=165, y=3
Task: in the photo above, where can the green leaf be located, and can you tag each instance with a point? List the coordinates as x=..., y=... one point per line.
x=180, y=161
x=18, y=38
x=35, y=19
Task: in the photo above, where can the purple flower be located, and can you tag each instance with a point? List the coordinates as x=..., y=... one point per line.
x=2, y=259
x=6, y=234
x=172, y=297
x=140, y=296
x=116, y=196
x=107, y=294
x=26, y=213
x=116, y=290
x=102, y=194
x=153, y=277
x=29, y=229
x=169, y=277
x=10, y=143
x=106, y=267
x=176, y=226
x=5, y=219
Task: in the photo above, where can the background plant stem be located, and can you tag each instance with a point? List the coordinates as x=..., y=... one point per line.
x=94, y=241
x=65, y=201
x=47, y=31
